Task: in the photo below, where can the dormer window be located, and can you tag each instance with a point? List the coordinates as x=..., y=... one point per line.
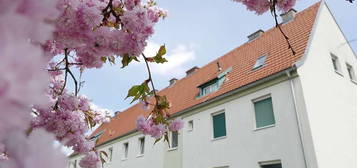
x=214, y=84
x=209, y=87
x=260, y=62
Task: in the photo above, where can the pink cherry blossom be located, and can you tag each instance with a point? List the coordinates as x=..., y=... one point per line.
x=34, y=151
x=176, y=125
x=91, y=160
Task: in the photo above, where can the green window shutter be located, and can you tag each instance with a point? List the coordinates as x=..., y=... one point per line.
x=264, y=114
x=219, y=125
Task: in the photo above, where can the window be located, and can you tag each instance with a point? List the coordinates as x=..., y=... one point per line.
x=75, y=164
x=190, y=125
x=335, y=63
x=141, y=145
x=126, y=150
x=264, y=115
x=209, y=87
x=174, y=139
x=351, y=72
x=271, y=164
x=110, y=153
x=219, y=125
x=260, y=62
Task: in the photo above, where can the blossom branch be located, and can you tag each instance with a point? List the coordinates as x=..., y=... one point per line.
x=273, y=11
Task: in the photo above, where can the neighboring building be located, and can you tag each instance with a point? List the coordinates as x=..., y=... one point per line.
x=257, y=106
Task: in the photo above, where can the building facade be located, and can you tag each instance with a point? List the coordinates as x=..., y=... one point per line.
x=258, y=106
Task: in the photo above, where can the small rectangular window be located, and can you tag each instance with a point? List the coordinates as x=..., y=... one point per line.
x=351, y=72
x=75, y=164
x=174, y=139
x=126, y=149
x=272, y=164
x=190, y=125
x=219, y=125
x=336, y=63
x=141, y=145
x=110, y=153
x=264, y=115
x=260, y=62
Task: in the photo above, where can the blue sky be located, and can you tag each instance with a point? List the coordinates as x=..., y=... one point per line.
x=195, y=33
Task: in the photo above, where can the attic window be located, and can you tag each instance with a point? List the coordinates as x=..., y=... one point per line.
x=209, y=87
x=260, y=62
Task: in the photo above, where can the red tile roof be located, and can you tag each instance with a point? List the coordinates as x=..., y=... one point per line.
x=183, y=94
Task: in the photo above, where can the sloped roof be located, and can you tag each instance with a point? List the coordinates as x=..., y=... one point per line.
x=183, y=94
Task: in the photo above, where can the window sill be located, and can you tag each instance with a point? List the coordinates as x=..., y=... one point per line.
x=219, y=138
x=140, y=155
x=339, y=73
x=124, y=159
x=265, y=127
x=172, y=149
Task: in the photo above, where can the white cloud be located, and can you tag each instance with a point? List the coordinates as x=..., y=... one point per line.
x=177, y=58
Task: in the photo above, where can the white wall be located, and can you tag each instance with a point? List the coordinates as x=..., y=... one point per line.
x=244, y=146
x=330, y=98
x=153, y=155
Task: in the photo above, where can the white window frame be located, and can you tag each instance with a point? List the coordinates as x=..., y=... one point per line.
x=190, y=125
x=254, y=115
x=110, y=151
x=260, y=62
x=125, y=151
x=351, y=72
x=212, y=126
x=171, y=137
x=336, y=63
x=141, y=146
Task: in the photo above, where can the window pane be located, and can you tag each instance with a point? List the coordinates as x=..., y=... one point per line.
x=278, y=165
x=110, y=154
x=260, y=62
x=126, y=150
x=219, y=125
x=334, y=62
x=264, y=114
x=142, y=145
x=174, y=140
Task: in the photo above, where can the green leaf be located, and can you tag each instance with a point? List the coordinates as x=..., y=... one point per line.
x=127, y=59
x=158, y=58
x=104, y=59
x=139, y=91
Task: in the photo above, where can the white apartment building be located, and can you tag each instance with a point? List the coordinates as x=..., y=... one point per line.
x=258, y=106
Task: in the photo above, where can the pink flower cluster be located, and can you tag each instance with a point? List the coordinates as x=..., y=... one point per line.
x=78, y=29
x=91, y=160
x=176, y=125
x=23, y=82
x=35, y=151
x=262, y=6
x=148, y=127
x=67, y=120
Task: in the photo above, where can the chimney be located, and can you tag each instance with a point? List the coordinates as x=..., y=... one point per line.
x=172, y=81
x=288, y=16
x=255, y=35
x=192, y=70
